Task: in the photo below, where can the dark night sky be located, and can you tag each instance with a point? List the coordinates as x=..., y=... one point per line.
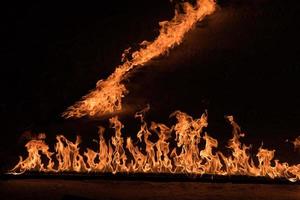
x=243, y=60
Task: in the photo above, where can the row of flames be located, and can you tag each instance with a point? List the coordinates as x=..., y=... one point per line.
x=116, y=155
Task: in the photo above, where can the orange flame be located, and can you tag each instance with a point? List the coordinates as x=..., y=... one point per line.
x=296, y=143
x=120, y=155
x=108, y=94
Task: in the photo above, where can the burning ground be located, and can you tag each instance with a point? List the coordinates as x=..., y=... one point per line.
x=144, y=155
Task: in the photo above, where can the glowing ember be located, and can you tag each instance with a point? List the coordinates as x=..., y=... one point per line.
x=120, y=155
x=296, y=143
x=108, y=94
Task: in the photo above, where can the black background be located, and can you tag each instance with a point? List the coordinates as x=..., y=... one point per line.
x=243, y=60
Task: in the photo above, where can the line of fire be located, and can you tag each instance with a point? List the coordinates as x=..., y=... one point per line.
x=157, y=156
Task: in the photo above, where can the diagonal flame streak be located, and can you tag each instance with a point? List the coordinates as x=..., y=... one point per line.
x=108, y=94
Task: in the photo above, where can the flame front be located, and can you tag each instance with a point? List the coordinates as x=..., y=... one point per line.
x=126, y=155
x=108, y=94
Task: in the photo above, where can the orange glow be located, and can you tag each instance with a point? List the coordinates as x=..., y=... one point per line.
x=296, y=143
x=108, y=94
x=127, y=155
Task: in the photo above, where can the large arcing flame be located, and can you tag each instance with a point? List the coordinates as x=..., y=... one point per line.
x=108, y=94
x=157, y=156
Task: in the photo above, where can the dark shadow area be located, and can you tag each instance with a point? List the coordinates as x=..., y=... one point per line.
x=72, y=197
x=99, y=189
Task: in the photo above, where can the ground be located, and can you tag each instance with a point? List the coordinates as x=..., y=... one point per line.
x=111, y=189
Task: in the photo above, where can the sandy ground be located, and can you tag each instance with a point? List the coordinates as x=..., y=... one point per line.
x=109, y=189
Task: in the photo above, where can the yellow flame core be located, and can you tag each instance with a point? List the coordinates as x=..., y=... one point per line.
x=120, y=155
x=108, y=94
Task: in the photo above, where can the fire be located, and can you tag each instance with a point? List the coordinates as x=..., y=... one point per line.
x=120, y=155
x=108, y=94
x=195, y=151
